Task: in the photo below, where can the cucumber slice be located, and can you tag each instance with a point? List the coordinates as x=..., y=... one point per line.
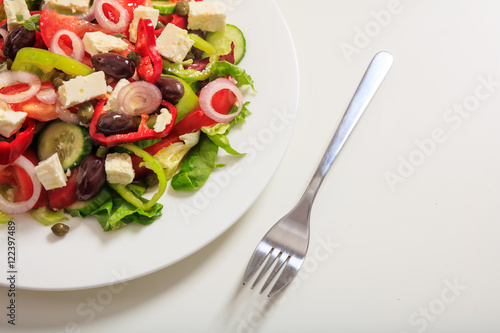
x=165, y=7
x=85, y=208
x=221, y=40
x=72, y=143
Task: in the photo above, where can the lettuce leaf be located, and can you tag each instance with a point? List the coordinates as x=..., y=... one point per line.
x=224, y=68
x=196, y=166
x=117, y=213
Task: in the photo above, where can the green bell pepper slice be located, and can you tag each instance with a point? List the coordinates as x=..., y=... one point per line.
x=192, y=74
x=151, y=163
x=40, y=62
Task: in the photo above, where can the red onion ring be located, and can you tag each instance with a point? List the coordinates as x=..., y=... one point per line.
x=4, y=33
x=66, y=115
x=8, y=78
x=47, y=95
x=76, y=43
x=106, y=23
x=23, y=206
x=139, y=97
x=207, y=94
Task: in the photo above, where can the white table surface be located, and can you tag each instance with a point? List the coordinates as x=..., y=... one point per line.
x=405, y=227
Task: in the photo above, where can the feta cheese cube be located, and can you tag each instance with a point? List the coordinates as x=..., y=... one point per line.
x=163, y=119
x=82, y=88
x=112, y=104
x=13, y=8
x=73, y=5
x=119, y=168
x=174, y=43
x=99, y=42
x=145, y=13
x=50, y=173
x=207, y=16
x=10, y=121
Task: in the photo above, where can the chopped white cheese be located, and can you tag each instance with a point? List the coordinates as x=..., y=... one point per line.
x=112, y=104
x=163, y=119
x=119, y=168
x=82, y=88
x=99, y=42
x=73, y=5
x=174, y=43
x=207, y=16
x=51, y=173
x=10, y=121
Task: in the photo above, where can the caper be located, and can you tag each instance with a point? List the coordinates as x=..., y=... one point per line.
x=182, y=8
x=58, y=82
x=135, y=57
x=85, y=112
x=101, y=152
x=151, y=179
x=159, y=25
x=60, y=229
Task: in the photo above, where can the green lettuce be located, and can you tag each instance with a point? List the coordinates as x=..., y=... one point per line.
x=117, y=213
x=196, y=166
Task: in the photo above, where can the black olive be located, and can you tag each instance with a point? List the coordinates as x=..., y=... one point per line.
x=90, y=178
x=18, y=38
x=171, y=88
x=114, y=65
x=115, y=123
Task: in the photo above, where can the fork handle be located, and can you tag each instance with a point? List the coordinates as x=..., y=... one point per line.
x=374, y=75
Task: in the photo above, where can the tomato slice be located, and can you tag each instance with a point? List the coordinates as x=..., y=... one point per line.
x=33, y=107
x=17, y=176
x=60, y=198
x=51, y=22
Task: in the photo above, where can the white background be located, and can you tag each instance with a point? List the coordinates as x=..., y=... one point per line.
x=420, y=254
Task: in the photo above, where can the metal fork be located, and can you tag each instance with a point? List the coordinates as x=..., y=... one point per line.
x=287, y=241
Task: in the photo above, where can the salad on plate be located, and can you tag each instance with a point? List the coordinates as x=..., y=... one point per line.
x=104, y=103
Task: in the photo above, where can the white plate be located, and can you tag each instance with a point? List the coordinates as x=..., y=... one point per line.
x=88, y=257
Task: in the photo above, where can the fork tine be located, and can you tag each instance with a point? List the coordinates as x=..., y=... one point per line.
x=292, y=267
x=283, y=257
x=275, y=253
x=258, y=257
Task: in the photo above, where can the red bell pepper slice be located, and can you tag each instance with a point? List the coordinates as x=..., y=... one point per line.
x=10, y=151
x=151, y=65
x=143, y=131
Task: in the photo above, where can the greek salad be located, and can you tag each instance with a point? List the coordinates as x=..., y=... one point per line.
x=105, y=103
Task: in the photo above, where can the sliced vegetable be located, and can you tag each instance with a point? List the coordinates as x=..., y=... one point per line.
x=9, y=78
x=46, y=216
x=64, y=197
x=23, y=206
x=151, y=163
x=207, y=94
x=72, y=143
x=40, y=61
x=10, y=151
x=150, y=67
x=222, y=40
